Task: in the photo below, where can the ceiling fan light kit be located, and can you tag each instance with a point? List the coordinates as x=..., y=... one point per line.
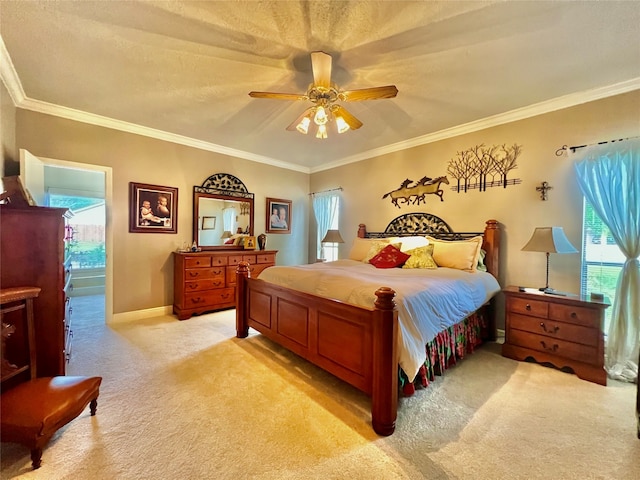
x=325, y=97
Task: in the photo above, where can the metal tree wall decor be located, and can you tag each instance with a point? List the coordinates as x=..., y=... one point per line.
x=415, y=192
x=480, y=167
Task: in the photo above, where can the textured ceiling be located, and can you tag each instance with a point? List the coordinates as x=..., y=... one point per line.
x=186, y=68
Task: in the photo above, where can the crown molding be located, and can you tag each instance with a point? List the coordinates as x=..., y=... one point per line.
x=547, y=106
x=10, y=76
x=99, y=120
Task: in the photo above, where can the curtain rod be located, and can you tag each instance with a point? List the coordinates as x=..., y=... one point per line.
x=573, y=149
x=325, y=191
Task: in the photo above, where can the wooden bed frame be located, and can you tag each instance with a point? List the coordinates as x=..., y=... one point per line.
x=356, y=344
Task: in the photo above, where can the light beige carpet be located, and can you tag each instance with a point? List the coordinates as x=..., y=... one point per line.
x=187, y=400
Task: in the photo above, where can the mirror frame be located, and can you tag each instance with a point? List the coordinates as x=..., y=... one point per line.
x=221, y=186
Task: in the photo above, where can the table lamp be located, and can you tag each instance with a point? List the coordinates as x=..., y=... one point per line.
x=549, y=240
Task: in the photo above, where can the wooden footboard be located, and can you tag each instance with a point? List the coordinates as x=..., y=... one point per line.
x=356, y=344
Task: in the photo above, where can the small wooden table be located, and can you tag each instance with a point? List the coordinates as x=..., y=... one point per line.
x=564, y=331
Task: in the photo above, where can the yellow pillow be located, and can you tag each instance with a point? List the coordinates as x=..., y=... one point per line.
x=376, y=247
x=458, y=254
x=360, y=248
x=420, y=258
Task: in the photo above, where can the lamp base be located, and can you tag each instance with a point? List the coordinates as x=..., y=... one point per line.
x=551, y=291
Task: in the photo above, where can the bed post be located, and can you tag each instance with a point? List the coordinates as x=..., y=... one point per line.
x=242, y=274
x=384, y=395
x=491, y=245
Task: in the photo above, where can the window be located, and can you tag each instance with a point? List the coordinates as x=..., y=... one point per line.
x=326, y=206
x=602, y=260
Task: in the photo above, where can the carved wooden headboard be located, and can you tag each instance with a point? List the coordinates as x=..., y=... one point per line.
x=420, y=223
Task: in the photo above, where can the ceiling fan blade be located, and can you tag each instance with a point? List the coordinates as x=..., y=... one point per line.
x=353, y=122
x=373, y=93
x=295, y=123
x=321, y=66
x=278, y=96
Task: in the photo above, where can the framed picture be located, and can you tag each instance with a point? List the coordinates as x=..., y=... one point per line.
x=208, y=223
x=278, y=216
x=152, y=208
x=250, y=243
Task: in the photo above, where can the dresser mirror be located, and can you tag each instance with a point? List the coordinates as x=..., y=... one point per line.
x=222, y=211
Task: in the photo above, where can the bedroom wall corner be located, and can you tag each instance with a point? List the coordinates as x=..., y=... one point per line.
x=9, y=160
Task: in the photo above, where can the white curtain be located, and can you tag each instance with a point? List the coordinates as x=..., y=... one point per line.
x=325, y=208
x=229, y=219
x=609, y=177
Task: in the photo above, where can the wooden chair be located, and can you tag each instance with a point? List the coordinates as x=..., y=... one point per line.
x=32, y=411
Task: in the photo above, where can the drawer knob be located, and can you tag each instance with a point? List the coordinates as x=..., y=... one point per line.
x=574, y=315
x=553, y=329
x=193, y=274
x=553, y=348
x=527, y=307
x=196, y=300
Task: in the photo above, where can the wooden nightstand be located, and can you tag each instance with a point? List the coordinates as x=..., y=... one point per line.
x=565, y=331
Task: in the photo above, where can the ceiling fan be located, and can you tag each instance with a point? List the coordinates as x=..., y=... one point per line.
x=325, y=97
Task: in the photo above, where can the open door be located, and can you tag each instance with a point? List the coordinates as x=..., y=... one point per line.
x=32, y=176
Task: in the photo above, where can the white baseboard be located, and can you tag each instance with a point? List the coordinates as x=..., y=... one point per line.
x=141, y=314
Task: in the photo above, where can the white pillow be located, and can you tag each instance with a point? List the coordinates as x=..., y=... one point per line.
x=409, y=243
x=361, y=246
x=458, y=254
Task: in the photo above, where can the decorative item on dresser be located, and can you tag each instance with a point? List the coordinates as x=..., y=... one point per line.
x=32, y=252
x=565, y=331
x=206, y=281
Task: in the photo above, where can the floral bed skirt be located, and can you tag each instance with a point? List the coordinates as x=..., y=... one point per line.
x=445, y=350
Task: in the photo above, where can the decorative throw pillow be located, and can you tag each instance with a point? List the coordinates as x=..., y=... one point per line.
x=420, y=258
x=389, y=257
x=458, y=254
x=376, y=247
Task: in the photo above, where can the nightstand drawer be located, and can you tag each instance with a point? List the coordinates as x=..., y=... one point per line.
x=576, y=315
x=553, y=329
x=555, y=346
x=537, y=308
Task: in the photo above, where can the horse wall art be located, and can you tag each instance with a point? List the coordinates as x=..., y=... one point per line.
x=416, y=193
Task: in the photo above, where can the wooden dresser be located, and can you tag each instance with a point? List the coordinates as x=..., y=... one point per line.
x=565, y=331
x=206, y=281
x=33, y=253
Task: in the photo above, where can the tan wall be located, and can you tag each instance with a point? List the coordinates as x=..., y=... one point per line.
x=518, y=207
x=143, y=268
x=8, y=156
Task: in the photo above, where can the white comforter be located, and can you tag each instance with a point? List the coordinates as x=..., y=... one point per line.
x=428, y=301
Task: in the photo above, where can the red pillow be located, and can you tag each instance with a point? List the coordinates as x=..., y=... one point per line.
x=389, y=257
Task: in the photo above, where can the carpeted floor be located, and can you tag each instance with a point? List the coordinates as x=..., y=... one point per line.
x=187, y=400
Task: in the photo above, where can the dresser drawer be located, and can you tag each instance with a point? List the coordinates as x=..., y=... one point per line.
x=194, y=262
x=266, y=258
x=204, y=284
x=191, y=274
x=553, y=329
x=536, y=308
x=576, y=315
x=210, y=297
x=554, y=346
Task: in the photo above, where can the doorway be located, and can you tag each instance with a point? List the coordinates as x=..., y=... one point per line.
x=86, y=190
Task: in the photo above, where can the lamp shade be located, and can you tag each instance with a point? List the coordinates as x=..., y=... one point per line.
x=549, y=240
x=226, y=234
x=332, y=236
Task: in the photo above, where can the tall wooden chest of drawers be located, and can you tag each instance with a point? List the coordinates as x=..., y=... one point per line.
x=565, y=331
x=206, y=281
